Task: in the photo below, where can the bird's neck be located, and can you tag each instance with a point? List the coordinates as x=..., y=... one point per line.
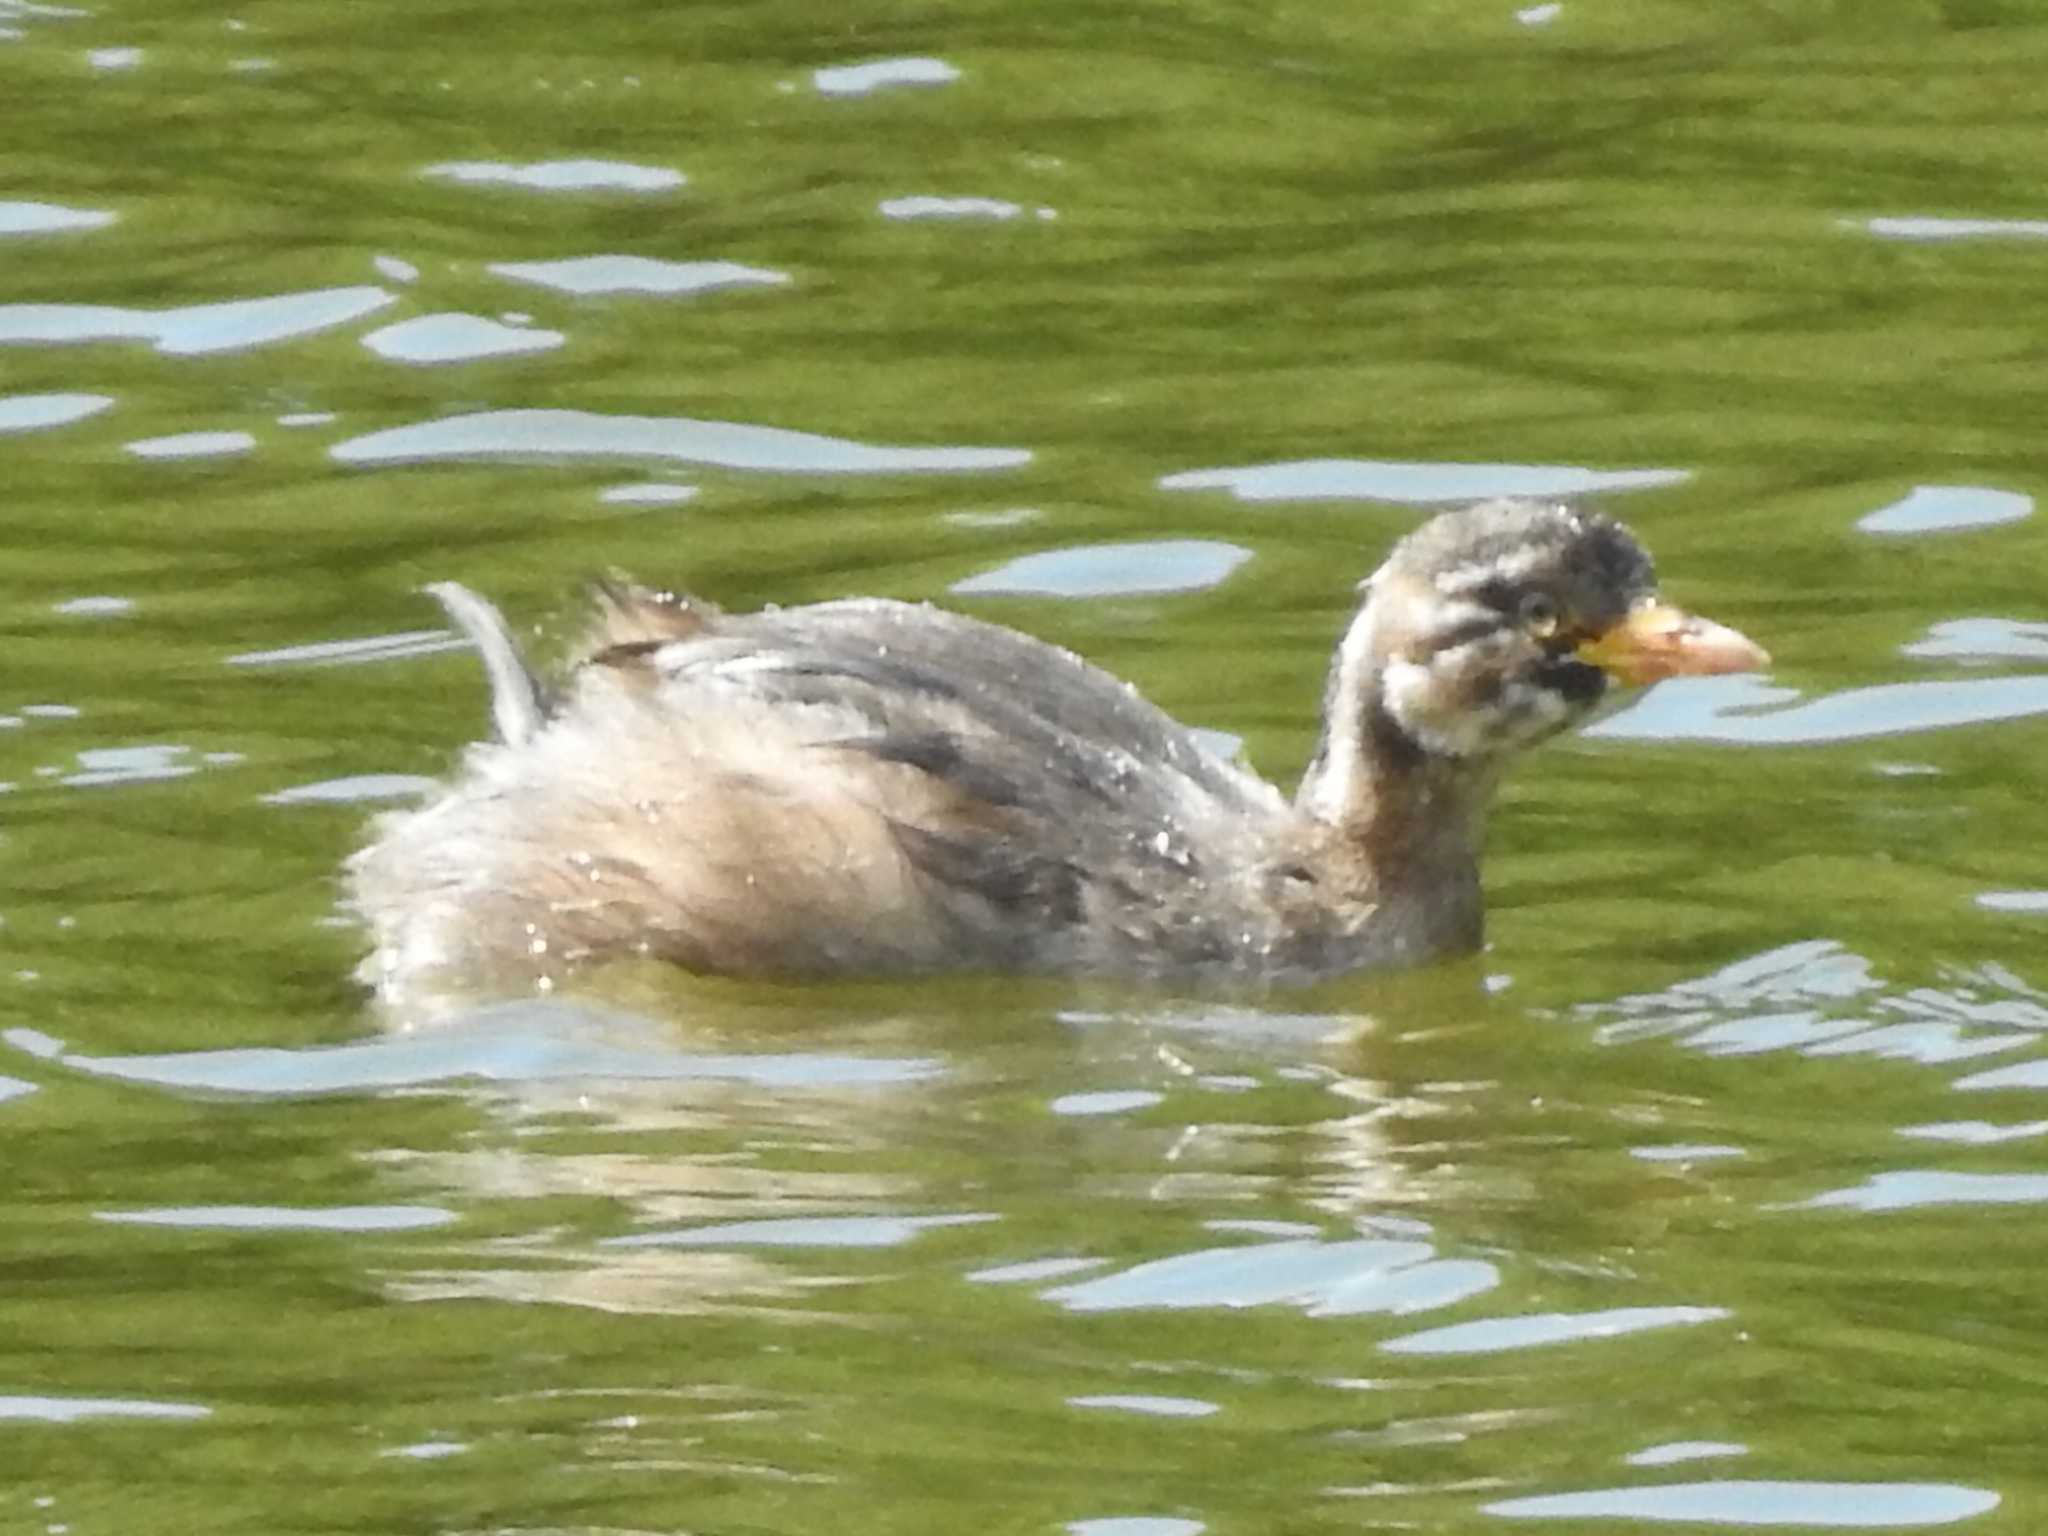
x=1409, y=821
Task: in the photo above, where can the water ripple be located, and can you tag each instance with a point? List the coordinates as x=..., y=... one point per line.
x=147, y=763
x=73, y=1410
x=33, y=413
x=2025, y=1074
x=556, y=434
x=355, y=789
x=878, y=74
x=1837, y=1506
x=193, y=445
x=1820, y=999
x=1907, y=1189
x=1686, y=1153
x=1674, y=1451
x=803, y=1232
x=285, y=1218
x=1492, y=1335
x=334, y=653
x=2012, y=901
x=1107, y=1102
x=949, y=208
x=1980, y=639
x=1111, y=570
x=1146, y=1403
x=637, y=274
x=524, y=1042
x=1746, y=710
x=1947, y=509
x=1931, y=229
x=1359, y=1275
x=456, y=338
x=1032, y=1270
x=1975, y=1133
x=560, y=175
x=29, y=218
x=648, y=493
x=1420, y=484
x=194, y=328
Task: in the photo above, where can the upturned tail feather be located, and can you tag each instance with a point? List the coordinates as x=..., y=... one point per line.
x=516, y=706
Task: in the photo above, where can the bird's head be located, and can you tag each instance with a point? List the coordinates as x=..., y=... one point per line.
x=1495, y=626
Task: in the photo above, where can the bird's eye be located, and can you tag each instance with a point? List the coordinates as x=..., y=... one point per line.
x=1538, y=613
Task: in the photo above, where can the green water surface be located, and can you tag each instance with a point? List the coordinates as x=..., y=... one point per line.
x=1729, y=1151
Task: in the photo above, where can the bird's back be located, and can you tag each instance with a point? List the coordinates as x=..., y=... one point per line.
x=861, y=787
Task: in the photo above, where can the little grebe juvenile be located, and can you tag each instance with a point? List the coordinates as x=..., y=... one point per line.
x=869, y=787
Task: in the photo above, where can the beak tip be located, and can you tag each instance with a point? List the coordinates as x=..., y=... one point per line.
x=1722, y=651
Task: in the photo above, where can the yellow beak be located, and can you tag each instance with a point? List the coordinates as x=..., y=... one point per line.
x=1657, y=641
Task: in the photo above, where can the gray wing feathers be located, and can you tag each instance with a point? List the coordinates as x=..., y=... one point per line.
x=1049, y=776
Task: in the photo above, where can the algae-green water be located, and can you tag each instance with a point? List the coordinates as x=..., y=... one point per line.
x=1711, y=1196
